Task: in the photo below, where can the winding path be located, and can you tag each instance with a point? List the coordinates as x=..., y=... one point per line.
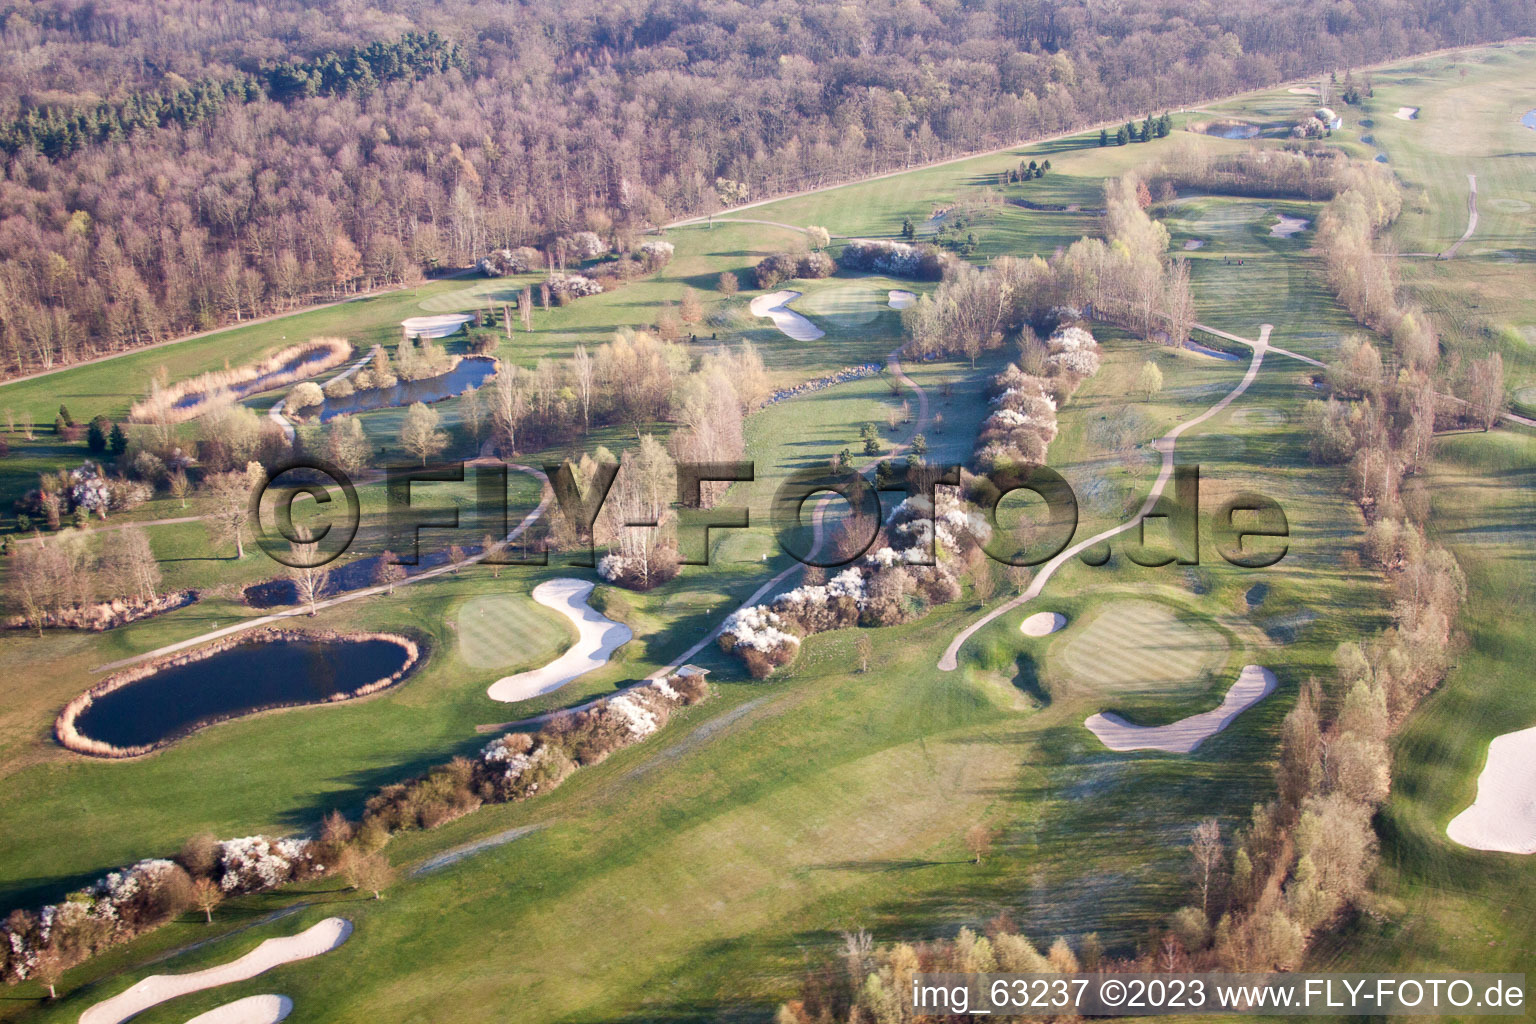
x=546, y=497
x=275, y=414
x=1165, y=444
x=1471, y=219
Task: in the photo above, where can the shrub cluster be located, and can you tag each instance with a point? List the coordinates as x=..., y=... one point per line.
x=140, y=898
x=783, y=266
x=569, y=287
x=1024, y=423
x=84, y=491
x=515, y=766
x=909, y=568
x=899, y=259
x=504, y=262
x=661, y=564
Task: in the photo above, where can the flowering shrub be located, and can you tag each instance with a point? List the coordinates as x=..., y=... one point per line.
x=899, y=259
x=1024, y=423
x=566, y=287
x=88, y=490
x=501, y=262
x=134, y=899
x=655, y=255
x=254, y=863
x=757, y=636
x=586, y=245
x=1073, y=353
x=519, y=765
x=636, y=573
x=904, y=573
x=783, y=266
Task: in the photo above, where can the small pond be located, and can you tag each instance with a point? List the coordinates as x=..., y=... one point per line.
x=1256, y=594
x=354, y=575
x=256, y=385
x=471, y=372
x=1232, y=130
x=238, y=680
x=1529, y=120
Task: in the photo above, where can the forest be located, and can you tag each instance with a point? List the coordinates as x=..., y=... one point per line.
x=174, y=167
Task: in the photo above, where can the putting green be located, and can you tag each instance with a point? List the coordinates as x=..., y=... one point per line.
x=1141, y=647
x=851, y=305
x=498, y=630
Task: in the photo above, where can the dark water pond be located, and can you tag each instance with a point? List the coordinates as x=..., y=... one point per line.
x=355, y=575
x=471, y=372
x=1256, y=594
x=1233, y=131
x=237, y=681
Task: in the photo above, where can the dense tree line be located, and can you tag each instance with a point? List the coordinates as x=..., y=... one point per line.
x=1128, y=280
x=344, y=165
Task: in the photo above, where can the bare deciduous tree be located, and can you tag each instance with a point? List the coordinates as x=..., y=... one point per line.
x=419, y=434
x=230, y=506
x=206, y=896
x=1206, y=848
x=978, y=840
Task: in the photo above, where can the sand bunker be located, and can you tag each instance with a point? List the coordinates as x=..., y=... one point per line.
x=598, y=637
x=774, y=305
x=1254, y=683
x=1302, y=90
x=434, y=326
x=1042, y=623
x=157, y=988
x=1288, y=226
x=1194, y=243
x=899, y=299
x=250, y=1010
x=1503, y=817
x=1407, y=113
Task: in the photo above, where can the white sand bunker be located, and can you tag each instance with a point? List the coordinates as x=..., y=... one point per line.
x=1503, y=817
x=899, y=299
x=157, y=988
x=434, y=326
x=1302, y=90
x=1407, y=113
x=598, y=637
x=250, y=1010
x=1254, y=683
x=1288, y=226
x=1042, y=623
x=775, y=305
x=1194, y=243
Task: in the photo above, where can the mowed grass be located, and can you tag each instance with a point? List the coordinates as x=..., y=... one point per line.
x=850, y=305
x=692, y=877
x=503, y=631
x=1139, y=648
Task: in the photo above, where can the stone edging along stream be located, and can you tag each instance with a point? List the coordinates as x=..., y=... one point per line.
x=64, y=726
